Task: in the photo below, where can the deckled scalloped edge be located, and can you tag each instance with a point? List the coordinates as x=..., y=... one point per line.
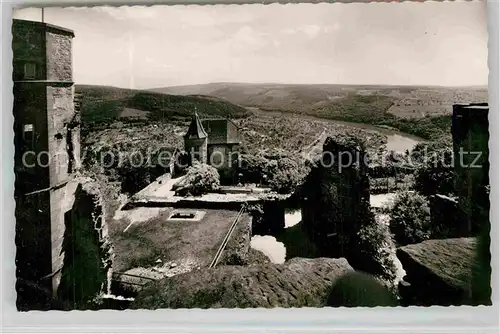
x=228, y=324
x=148, y=3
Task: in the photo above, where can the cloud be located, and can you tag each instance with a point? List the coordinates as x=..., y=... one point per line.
x=136, y=13
x=311, y=30
x=178, y=15
x=288, y=31
x=331, y=28
x=246, y=39
x=327, y=43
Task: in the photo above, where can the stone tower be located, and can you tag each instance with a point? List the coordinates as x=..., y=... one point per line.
x=47, y=151
x=471, y=135
x=196, y=140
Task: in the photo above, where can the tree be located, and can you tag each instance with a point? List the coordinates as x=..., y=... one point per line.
x=280, y=172
x=199, y=179
x=410, y=218
x=376, y=251
x=434, y=173
x=423, y=150
x=251, y=167
x=285, y=174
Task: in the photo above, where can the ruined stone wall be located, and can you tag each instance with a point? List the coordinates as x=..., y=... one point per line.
x=59, y=57
x=238, y=247
x=336, y=200
x=60, y=113
x=87, y=250
x=337, y=215
x=62, y=200
x=439, y=272
x=100, y=226
x=296, y=283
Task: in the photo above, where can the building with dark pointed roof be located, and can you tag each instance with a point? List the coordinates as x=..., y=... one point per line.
x=196, y=130
x=213, y=141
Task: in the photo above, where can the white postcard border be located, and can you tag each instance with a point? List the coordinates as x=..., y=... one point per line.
x=434, y=319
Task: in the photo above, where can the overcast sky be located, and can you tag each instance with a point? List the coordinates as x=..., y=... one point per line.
x=429, y=43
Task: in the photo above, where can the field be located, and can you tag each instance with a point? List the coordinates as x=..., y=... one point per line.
x=421, y=111
x=158, y=238
x=405, y=101
x=296, y=135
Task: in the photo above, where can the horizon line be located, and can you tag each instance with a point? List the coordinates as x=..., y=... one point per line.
x=293, y=84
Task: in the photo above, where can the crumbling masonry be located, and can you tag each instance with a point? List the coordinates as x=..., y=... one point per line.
x=47, y=153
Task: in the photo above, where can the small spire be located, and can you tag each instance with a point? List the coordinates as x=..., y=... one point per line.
x=196, y=129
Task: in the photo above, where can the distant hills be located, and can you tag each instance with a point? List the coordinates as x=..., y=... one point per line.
x=105, y=104
x=401, y=101
x=418, y=110
x=421, y=111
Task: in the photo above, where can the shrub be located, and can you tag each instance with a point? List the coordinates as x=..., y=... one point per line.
x=376, y=251
x=251, y=167
x=285, y=174
x=200, y=179
x=423, y=149
x=181, y=161
x=410, y=218
x=434, y=173
x=280, y=172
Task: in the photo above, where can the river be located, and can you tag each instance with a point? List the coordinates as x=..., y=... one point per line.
x=396, y=140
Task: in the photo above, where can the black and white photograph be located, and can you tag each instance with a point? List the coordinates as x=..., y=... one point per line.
x=251, y=156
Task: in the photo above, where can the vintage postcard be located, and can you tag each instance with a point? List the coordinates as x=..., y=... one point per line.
x=289, y=155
